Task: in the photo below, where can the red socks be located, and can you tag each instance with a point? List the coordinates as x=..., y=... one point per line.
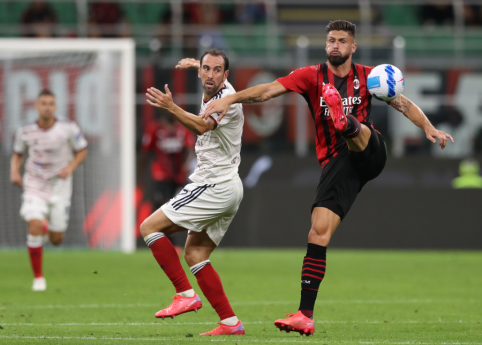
x=35, y=249
x=211, y=286
x=36, y=261
x=167, y=257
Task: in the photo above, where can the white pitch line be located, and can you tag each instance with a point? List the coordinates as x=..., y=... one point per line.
x=237, y=340
x=167, y=323
x=137, y=305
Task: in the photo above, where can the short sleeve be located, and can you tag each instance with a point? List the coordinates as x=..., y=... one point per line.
x=300, y=80
x=19, y=145
x=233, y=111
x=76, y=138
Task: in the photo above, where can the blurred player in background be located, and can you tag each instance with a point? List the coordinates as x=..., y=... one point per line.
x=207, y=206
x=172, y=148
x=55, y=149
x=350, y=151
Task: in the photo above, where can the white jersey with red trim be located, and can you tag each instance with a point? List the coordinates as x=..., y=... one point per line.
x=49, y=150
x=219, y=151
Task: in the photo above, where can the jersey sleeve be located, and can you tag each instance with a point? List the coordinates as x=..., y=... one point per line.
x=232, y=113
x=76, y=138
x=19, y=145
x=300, y=80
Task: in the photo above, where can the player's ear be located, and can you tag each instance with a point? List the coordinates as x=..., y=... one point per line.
x=199, y=72
x=226, y=73
x=353, y=47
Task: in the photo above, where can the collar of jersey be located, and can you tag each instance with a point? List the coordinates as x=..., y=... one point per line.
x=219, y=92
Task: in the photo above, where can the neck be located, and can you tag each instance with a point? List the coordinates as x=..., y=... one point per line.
x=342, y=70
x=208, y=97
x=46, y=123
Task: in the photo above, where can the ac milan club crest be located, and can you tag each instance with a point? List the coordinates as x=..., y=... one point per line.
x=356, y=84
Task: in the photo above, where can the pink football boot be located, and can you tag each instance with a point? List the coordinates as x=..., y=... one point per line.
x=180, y=305
x=333, y=100
x=223, y=329
x=297, y=323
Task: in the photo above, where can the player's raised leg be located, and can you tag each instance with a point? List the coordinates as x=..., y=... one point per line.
x=323, y=224
x=199, y=247
x=154, y=230
x=353, y=132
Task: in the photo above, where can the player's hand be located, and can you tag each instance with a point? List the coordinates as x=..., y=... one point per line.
x=220, y=106
x=188, y=63
x=158, y=99
x=66, y=172
x=433, y=134
x=16, y=179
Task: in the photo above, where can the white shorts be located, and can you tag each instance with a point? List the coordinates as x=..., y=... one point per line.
x=57, y=213
x=209, y=207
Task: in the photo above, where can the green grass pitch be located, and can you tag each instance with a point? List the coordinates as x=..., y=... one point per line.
x=368, y=297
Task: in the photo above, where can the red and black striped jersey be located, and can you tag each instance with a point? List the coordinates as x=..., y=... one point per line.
x=308, y=81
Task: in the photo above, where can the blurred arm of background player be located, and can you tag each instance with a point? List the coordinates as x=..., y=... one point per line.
x=255, y=94
x=69, y=169
x=416, y=115
x=15, y=164
x=164, y=101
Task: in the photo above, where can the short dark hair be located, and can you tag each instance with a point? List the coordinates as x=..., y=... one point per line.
x=45, y=92
x=341, y=25
x=216, y=52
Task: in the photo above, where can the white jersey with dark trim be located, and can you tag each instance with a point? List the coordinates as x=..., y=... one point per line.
x=219, y=151
x=49, y=150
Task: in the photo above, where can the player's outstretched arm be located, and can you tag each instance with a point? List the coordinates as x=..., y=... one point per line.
x=416, y=115
x=192, y=122
x=255, y=94
x=188, y=63
x=79, y=157
x=15, y=164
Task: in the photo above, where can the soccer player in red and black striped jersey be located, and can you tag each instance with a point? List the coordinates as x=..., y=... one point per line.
x=349, y=149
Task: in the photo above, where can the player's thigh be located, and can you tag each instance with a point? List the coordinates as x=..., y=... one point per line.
x=323, y=224
x=199, y=247
x=371, y=162
x=33, y=208
x=59, y=215
x=159, y=222
x=208, y=207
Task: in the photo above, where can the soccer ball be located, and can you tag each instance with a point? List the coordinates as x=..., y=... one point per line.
x=385, y=82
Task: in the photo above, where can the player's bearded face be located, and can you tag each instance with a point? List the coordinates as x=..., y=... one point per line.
x=336, y=58
x=339, y=47
x=212, y=74
x=46, y=106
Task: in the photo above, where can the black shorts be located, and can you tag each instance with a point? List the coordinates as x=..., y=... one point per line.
x=343, y=177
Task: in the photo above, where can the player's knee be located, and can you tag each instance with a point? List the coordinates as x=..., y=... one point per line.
x=56, y=238
x=319, y=236
x=35, y=227
x=146, y=228
x=194, y=257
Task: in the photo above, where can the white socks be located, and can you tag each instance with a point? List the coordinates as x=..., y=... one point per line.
x=230, y=321
x=34, y=241
x=197, y=267
x=151, y=238
x=187, y=293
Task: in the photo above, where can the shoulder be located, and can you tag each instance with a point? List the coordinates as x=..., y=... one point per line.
x=67, y=124
x=29, y=127
x=362, y=69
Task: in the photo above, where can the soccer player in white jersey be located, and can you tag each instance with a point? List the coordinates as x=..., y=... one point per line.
x=55, y=149
x=207, y=206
